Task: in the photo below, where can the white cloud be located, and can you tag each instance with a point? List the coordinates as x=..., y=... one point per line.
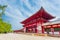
x=51, y=6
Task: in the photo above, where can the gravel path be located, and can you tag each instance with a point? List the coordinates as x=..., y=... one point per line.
x=13, y=36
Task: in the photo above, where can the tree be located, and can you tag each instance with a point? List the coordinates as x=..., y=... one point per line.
x=4, y=27
x=2, y=9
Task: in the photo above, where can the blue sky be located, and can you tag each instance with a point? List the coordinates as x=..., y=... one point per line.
x=19, y=10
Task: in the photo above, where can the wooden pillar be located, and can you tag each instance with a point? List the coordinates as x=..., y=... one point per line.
x=25, y=30
x=33, y=30
x=36, y=27
x=42, y=29
x=52, y=30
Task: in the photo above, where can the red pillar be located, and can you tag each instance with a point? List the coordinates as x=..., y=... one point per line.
x=24, y=29
x=42, y=29
x=36, y=31
x=41, y=22
x=33, y=30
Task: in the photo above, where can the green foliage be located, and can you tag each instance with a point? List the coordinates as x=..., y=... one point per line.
x=3, y=9
x=4, y=27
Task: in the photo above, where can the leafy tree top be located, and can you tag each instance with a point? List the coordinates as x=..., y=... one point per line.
x=2, y=8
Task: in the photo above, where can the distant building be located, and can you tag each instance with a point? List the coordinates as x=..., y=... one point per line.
x=52, y=27
x=17, y=31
